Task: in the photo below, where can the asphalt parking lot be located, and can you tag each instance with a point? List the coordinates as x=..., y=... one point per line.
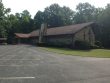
x=30, y=64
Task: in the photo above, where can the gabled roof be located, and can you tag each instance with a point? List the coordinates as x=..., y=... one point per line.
x=34, y=33
x=71, y=29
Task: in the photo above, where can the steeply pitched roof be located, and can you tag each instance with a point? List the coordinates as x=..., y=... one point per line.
x=63, y=30
x=71, y=29
x=67, y=29
x=34, y=33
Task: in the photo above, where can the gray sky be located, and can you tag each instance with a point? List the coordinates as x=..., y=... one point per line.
x=34, y=5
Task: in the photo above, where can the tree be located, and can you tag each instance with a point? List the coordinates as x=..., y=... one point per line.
x=54, y=16
x=67, y=15
x=26, y=22
x=85, y=12
x=19, y=23
x=104, y=21
x=3, y=20
x=39, y=19
x=58, y=16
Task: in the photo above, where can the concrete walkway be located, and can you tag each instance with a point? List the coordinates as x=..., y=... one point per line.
x=29, y=64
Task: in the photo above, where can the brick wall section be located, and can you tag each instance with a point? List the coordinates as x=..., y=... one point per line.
x=59, y=40
x=86, y=35
x=34, y=40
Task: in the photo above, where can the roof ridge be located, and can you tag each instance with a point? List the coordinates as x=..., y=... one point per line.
x=72, y=25
x=69, y=29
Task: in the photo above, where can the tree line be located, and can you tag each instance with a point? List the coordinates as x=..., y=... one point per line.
x=55, y=16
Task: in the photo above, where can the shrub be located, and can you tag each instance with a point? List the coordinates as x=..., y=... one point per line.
x=82, y=45
x=98, y=44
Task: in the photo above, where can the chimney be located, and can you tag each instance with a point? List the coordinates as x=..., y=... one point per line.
x=42, y=32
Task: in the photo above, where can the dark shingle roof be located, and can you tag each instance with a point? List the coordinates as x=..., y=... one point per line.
x=71, y=29
x=67, y=29
x=34, y=33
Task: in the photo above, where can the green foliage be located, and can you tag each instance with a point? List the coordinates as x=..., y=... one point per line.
x=68, y=15
x=55, y=16
x=19, y=23
x=85, y=13
x=84, y=53
x=3, y=20
x=104, y=22
x=39, y=19
x=82, y=45
x=98, y=44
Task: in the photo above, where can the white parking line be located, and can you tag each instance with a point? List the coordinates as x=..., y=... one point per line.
x=19, y=65
x=12, y=78
x=18, y=59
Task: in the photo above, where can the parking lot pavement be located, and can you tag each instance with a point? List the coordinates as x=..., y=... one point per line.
x=30, y=64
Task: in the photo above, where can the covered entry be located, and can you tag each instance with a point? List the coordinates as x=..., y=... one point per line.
x=22, y=38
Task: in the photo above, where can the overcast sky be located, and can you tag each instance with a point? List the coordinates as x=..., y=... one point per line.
x=34, y=5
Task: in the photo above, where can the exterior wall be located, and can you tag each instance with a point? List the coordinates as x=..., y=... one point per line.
x=34, y=40
x=59, y=40
x=86, y=35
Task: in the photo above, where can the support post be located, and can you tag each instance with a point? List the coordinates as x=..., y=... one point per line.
x=19, y=40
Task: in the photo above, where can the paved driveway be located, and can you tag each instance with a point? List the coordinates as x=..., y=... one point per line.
x=29, y=64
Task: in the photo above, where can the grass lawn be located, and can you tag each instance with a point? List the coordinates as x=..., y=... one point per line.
x=104, y=53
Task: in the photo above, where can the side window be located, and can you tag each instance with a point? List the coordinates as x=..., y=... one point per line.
x=89, y=33
x=84, y=35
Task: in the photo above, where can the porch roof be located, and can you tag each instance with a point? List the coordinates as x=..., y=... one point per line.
x=21, y=35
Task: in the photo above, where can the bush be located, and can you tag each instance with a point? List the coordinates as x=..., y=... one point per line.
x=82, y=45
x=98, y=44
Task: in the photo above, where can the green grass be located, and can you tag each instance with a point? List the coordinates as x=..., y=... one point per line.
x=102, y=53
